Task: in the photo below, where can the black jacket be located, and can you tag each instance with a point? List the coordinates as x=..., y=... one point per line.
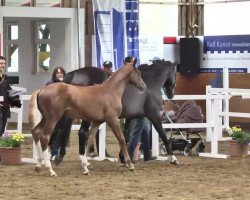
x=9, y=100
x=4, y=88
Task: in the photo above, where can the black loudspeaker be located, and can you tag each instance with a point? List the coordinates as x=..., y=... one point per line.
x=189, y=56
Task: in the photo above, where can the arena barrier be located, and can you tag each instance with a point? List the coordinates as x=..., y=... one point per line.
x=217, y=119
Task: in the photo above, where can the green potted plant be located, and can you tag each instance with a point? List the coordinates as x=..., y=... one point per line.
x=240, y=142
x=10, y=148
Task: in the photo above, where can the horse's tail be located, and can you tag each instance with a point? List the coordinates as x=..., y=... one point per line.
x=34, y=115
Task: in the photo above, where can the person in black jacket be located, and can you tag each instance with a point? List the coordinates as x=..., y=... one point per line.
x=8, y=100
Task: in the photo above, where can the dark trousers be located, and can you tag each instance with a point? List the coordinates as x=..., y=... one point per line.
x=60, y=135
x=4, y=115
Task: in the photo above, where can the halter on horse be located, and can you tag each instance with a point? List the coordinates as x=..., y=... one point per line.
x=102, y=104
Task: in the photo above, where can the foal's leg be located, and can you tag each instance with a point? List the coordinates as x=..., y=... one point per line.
x=115, y=126
x=127, y=129
x=48, y=128
x=92, y=132
x=91, y=136
x=36, y=132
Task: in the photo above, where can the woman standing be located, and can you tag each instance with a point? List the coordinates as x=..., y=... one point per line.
x=57, y=75
x=4, y=104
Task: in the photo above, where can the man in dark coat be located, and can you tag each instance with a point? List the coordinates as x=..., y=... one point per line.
x=8, y=98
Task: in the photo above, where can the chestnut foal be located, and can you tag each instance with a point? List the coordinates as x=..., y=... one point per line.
x=98, y=104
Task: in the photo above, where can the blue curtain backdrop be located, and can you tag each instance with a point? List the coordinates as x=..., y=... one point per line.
x=116, y=30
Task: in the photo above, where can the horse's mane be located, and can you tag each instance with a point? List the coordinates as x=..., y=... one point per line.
x=144, y=67
x=89, y=71
x=157, y=67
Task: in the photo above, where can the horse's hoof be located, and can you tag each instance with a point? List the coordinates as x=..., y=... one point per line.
x=53, y=174
x=58, y=160
x=38, y=169
x=86, y=173
x=131, y=169
x=176, y=163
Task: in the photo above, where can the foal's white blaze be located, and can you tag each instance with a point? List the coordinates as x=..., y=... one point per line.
x=85, y=163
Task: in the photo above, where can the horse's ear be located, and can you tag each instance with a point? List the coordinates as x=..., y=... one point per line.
x=134, y=62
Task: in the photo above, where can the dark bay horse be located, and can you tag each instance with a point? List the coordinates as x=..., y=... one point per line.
x=97, y=103
x=161, y=74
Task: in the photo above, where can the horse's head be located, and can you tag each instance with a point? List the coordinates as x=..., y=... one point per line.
x=136, y=79
x=170, y=83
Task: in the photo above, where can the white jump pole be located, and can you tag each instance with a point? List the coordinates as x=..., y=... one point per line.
x=216, y=129
x=155, y=142
x=102, y=141
x=208, y=112
x=225, y=102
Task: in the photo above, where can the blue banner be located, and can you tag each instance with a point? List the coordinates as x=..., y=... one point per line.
x=132, y=28
x=118, y=39
x=109, y=31
x=116, y=30
x=220, y=70
x=231, y=51
x=227, y=43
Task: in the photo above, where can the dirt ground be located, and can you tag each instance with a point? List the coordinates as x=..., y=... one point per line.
x=195, y=178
